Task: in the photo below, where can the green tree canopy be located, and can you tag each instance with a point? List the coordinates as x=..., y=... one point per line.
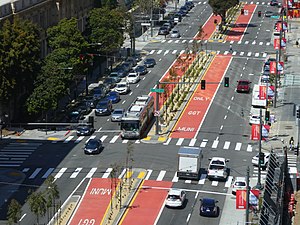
x=37, y=204
x=19, y=57
x=220, y=7
x=106, y=27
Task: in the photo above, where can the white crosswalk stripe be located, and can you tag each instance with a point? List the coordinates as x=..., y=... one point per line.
x=254, y=42
x=246, y=42
x=48, y=172
x=226, y=145
x=107, y=173
x=177, y=41
x=60, y=173
x=152, y=51
x=249, y=54
x=226, y=52
x=174, y=52
x=91, y=173
x=190, y=41
x=159, y=51
x=260, y=43
x=148, y=174
x=68, y=139
x=181, y=52
x=214, y=183
x=192, y=142
x=203, y=144
x=215, y=144
x=79, y=139
x=256, y=54
x=175, y=178
x=75, y=173
x=166, y=52
x=268, y=43
x=183, y=41
x=229, y=181
x=35, y=173
x=265, y=54
x=234, y=53
x=249, y=148
x=163, y=41
x=113, y=140
x=90, y=138
x=202, y=179
x=168, y=141
x=242, y=53
x=170, y=41
x=238, y=146
x=161, y=175
x=180, y=140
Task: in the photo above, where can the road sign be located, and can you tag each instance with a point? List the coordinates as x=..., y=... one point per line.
x=156, y=113
x=145, y=24
x=159, y=90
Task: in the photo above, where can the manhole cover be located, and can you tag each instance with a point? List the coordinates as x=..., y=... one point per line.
x=288, y=127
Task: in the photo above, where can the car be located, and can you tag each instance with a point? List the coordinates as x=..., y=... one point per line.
x=75, y=116
x=104, y=107
x=93, y=146
x=98, y=93
x=175, y=198
x=266, y=159
x=113, y=96
x=117, y=115
x=110, y=82
x=122, y=87
x=84, y=130
x=91, y=101
x=255, y=114
x=175, y=34
x=163, y=31
x=133, y=78
x=239, y=184
x=265, y=79
x=149, y=62
x=127, y=65
x=190, y=3
x=132, y=60
x=184, y=9
x=217, y=169
x=188, y=6
x=137, y=57
x=141, y=70
x=116, y=76
x=168, y=26
x=273, y=2
x=84, y=107
x=209, y=208
x=177, y=17
x=243, y=86
x=269, y=13
x=182, y=13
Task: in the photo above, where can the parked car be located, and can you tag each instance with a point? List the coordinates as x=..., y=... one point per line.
x=269, y=13
x=115, y=75
x=133, y=78
x=273, y=2
x=190, y=3
x=127, y=65
x=84, y=130
x=75, y=116
x=132, y=60
x=175, y=198
x=209, y=208
x=184, y=9
x=113, y=96
x=137, y=57
x=117, y=114
x=265, y=80
x=93, y=146
x=177, y=17
x=266, y=159
x=163, y=31
x=91, y=101
x=98, y=93
x=84, y=107
x=110, y=82
x=217, y=169
x=168, y=26
x=239, y=184
x=175, y=34
x=122, y=87
x=149, y=62
x=243, y=86
x=182, y=13
x=104, y=107
x=141, y=70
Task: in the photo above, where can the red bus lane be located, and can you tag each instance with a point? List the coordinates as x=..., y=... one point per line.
x=191, y=119
x=95, y=201
x=147, y=204
x=236, y=33
x=209, y=27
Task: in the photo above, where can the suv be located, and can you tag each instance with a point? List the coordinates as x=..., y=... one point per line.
x=104, y=107
x=217, y=169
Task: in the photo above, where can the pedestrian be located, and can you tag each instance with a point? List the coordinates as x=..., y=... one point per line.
x=297, y=44
x=230, y=48
x=291, y=143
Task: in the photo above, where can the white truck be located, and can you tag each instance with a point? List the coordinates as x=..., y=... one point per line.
x=189, y=162
x=217, y=169
x=256, y=101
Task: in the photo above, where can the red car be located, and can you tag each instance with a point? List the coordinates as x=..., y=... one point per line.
x=243, y=86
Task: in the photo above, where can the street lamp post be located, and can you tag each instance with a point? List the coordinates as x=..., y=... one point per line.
x=258, y=185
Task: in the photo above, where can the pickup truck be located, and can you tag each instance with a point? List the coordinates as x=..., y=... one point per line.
x=217, y=169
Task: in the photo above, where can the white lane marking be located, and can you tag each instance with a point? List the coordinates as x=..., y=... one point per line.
x=60, y=173
x=249, y=54
x=159, y=51
x=122, y=173
x=152, y=51
x=202, y=179
x=169, y=41
x=225, y=117
x=260, y=43
x=166, y=52
x=246, y=42
x=181, y=52
x=91, y=173
x=226, y=145
x=203, y=144
x=103, y=138
x=175, y=178
x=228, y=107
x=79, y=139
x=48, y=172
x=215, y=144
x=113, y=140
x=228, y=182
x=35, y=173
x=75, y=173
x=161, y=175
x=180, y=140
x=214, y=183
x=192, y=142
x=238, y=146
x=148, y=174
x=256, y=54
x=265, y=54
x=174, y=52
x=249, y=148
x=221, y=127
x=68, y=139
x=125, y=141
x=163, y=41
x=232, y=98
x=107, y=173
x=177, y=41
x=242, y=53
x=168, y=141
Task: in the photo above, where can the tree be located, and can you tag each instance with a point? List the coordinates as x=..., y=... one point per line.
x=14, y=212
x=37, y=204
x=19, y=57
x=51, y=193
x=220, y=7
x=145, y=6
x=111, y=4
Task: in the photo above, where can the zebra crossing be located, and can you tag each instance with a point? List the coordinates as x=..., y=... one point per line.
x=189, y=41
x=158, y=175
x=204, y=143
x=234, y=53
x=15, y=153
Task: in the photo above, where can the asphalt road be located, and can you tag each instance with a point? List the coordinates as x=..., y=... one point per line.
x=160, y=157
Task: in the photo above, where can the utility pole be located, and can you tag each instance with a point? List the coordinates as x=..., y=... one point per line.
x=151, y=18
x=247, y=195
x=258, y=185
x=157, y=109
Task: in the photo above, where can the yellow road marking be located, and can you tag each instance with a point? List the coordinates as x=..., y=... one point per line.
x=148, y=138
x=141, y=175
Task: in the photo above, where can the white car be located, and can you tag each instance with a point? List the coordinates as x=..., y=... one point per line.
x=239, y=184
x=117, y=115
x=133, y=78
x=217, y=169
x=122, y=87
x=175, y=34
x=266, y=159
x=254, y=115
x=175, y=198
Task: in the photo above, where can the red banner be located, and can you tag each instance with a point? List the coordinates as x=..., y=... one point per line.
x=255, y=132
x=273, y=67
x=276, y=43
x=262, y=92
x=279, y=27
x=241, y=198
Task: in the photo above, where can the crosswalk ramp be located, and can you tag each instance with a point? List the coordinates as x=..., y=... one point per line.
x=15, y=153
x=158, y=175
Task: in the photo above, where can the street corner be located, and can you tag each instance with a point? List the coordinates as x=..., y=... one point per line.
x=154, y=139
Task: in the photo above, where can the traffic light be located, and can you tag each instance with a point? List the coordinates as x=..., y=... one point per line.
x=261, y=159
x=226, y=83
x=298, y=113
x=267, y=115
x=202, y=84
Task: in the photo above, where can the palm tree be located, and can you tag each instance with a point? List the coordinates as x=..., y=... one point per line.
x=14, y=212
x=37, y=204
x=51, y=193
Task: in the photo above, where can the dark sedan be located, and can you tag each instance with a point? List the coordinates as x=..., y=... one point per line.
x=84, y=130
x=209, y=208
x=163, y=31
x=93, y=146
x=141, y=70
x=149, y=62
x=110, y=82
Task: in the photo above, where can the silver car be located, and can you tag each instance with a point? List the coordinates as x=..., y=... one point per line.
x=117, y=114
x=175, y=34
